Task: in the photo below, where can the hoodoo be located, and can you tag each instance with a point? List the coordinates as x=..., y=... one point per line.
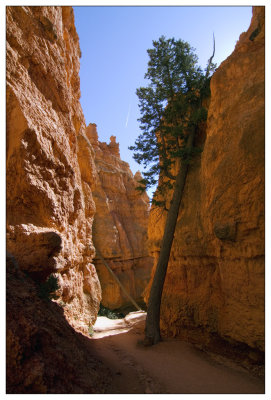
x=120, y=225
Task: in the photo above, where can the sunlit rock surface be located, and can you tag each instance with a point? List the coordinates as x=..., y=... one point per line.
x=49, y=202
x=120, y=225
x=215, y=280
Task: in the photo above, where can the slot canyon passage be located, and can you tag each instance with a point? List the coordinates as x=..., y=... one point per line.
x=72, y=207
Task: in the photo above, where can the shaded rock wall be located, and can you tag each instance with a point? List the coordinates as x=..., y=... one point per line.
x=215, y=280
x=49, y=201
x=44, y=354
x=120, y=225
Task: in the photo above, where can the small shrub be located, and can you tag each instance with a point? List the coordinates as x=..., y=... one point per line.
x=91, y=330
x=106, y=312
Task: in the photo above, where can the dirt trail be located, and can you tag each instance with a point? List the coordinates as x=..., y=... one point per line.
x=170, y=367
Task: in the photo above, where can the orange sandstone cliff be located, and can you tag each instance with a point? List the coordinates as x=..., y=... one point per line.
x=49, y=202
x=120, y=225
x=49, y=206
x=55, y=173
x=215, y=281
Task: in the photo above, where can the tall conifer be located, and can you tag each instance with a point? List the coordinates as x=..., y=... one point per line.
x=171, y=110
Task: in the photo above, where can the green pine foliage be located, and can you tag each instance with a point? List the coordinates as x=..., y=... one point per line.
x=170, y=105
x=106, y=312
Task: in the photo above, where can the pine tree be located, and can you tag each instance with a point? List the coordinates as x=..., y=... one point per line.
x=171, y=110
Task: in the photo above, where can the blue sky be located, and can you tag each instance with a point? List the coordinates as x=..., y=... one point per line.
x=114, y=41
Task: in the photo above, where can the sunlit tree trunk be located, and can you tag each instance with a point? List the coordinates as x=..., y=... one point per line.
x=152, y=328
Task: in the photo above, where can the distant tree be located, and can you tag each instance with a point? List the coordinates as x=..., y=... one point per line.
x=171, y=110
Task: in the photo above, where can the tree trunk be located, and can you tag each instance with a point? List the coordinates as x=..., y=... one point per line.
x=152, y=327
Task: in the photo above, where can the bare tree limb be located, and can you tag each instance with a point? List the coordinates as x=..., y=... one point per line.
x=210, y=59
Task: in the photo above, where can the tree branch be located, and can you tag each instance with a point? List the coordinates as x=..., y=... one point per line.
x=210, y=59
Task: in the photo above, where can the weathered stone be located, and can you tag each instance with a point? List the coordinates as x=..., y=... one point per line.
x=44, y=354
x=49, y=177
x=225, y=231
x=215, y=278
x=120, y=225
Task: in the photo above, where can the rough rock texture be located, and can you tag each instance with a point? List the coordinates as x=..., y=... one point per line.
x=120, y=225
x=215, y=282
x=44, y=353
x=49, y=202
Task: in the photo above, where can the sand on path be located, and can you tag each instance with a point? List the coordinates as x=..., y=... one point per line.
x=170, y=367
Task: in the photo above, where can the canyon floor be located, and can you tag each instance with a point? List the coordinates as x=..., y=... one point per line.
x=170, y=367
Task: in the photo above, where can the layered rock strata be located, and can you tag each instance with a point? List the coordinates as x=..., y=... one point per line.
x=120, y=225
x=215, y=281
x=50, y=169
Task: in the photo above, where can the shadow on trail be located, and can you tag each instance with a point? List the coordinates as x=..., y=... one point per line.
x=170, y=367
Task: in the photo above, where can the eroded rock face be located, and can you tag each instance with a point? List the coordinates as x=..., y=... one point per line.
x=44, y=354
x=215, y=280
x=120, y=224
x=49, y=200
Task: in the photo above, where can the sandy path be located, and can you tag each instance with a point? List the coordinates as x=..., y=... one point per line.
x=171, y=366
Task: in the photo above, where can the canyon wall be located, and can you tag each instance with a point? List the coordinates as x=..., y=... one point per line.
x=54, y=167
x=215, y=281
x=49, y=207
x=49, y=202
x=44, y=354
x=120, y=225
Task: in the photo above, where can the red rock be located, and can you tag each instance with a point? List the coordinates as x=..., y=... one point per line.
x=50, y=178
x=120, y=225
x=44, y=353
x=49, y=203
x=215, y=279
